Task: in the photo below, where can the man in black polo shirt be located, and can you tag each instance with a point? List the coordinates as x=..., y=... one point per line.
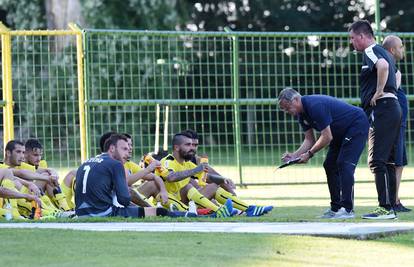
x=380, y=103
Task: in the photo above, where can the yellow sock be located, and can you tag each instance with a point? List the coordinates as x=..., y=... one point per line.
x=47, y=204
x=201, y=200
x=140, y=199
x=173, y=200
x=13, y=202
x=2, y=212
x=25, y=207
x=60, y=201
x=68, y=192
x=222, y=195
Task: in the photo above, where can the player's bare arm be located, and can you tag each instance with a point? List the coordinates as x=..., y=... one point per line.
x=178, y=176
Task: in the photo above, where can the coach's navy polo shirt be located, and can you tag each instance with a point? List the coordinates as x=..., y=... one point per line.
x=368, y=78
x=321, y=111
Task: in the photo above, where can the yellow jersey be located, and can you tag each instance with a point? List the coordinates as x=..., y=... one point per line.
x=132, y=167
x=4, y=166
x=170, y=164
x=30, y=167
x=43, y=164
x=26, y=166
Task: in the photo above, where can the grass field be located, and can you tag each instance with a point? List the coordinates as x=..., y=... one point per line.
x=293, y=203
x=77, y=248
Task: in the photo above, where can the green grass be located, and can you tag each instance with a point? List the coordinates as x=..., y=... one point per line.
x=294, y=203
x=28, y=247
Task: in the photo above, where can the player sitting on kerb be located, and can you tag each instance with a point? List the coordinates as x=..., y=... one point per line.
x=101, y=189
x=33, y=161
x=136, y=174
x=176, y=171
x=222, y=187
x=9, y=195
x=14, y=158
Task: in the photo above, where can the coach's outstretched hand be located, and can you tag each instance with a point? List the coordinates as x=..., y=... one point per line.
x=304, y=158
x=288, y=157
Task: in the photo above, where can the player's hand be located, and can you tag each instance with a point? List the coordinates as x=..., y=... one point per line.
x=153, y=165
x=230, y=183
x=288, y=156
x=374, y=99
x=202, y=167
x=53, y=172
x=304, y=158
x=34, y=198
x=34, y=189
x=164, y=197
x=54, y=180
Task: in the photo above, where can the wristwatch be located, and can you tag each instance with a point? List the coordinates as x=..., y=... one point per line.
x=310, y=153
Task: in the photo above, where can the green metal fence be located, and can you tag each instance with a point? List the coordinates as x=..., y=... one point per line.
x=45, y=89
x=221, y=84
x=224, y=86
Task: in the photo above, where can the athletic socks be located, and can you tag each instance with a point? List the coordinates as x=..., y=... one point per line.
x=68, y=192
x=201, y=200
x=222, y=196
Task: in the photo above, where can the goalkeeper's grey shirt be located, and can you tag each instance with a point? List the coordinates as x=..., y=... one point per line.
x=98, y=180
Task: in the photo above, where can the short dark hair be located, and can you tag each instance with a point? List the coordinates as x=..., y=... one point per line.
x=103, y=139
x=189, y=132
x=32, y=144
x=113, y=140
x=11, y=145
x=178, y=139
x=361, y=26
x=127, y=135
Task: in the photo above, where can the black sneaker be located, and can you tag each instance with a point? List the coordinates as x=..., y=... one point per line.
x=400, y=208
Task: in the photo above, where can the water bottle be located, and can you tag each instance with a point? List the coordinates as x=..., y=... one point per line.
x=204, y=159
x=192, y=207
x=8, y=209
x=36, y=211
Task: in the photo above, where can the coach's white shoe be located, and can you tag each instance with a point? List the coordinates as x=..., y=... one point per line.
x=328, y=214
x=343, y=214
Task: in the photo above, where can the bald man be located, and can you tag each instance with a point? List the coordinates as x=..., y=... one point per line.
x=394, y=45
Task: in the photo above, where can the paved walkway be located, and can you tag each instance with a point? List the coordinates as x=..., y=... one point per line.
x=344, y=230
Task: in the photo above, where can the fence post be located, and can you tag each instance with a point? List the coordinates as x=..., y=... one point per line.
x=6, y=59
x=81, y=92
x=236, y=100
x=377, y=16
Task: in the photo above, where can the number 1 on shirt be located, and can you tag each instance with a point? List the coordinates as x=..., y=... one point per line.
x=85, y=178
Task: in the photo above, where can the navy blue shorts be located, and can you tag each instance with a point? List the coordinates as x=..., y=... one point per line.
x=401, y=153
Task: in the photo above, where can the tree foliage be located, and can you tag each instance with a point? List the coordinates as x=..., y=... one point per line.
x=23, y=14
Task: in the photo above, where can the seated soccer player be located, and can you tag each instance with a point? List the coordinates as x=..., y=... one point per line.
x=14, y=157
x=18, y=186
x=136, y=173
x=33, y=161
x=101, y=189
x=9, y=193
x=222, y=187
x=177, y=171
